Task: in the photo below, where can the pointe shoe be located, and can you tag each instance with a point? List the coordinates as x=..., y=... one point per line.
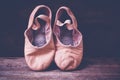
x=39, y=47
x=68, y=41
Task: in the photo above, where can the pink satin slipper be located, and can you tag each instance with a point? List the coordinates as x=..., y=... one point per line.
x=69, y=44
x=39, y=46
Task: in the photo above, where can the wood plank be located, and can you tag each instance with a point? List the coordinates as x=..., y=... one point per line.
x=15, y=68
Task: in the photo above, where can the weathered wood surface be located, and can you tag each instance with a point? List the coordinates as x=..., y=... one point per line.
x=90, y=69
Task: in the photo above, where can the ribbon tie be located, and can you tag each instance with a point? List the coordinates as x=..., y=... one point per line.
x=66, y=22
x=37, y=25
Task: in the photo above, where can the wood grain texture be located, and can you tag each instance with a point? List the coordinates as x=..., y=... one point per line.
x=15, y=68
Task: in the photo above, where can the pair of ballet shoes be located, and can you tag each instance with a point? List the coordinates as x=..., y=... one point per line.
x=66, y=56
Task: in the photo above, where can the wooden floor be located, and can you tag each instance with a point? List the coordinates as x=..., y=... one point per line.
x=12, y=68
